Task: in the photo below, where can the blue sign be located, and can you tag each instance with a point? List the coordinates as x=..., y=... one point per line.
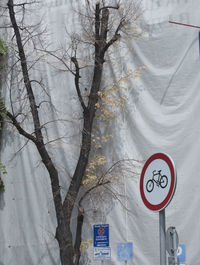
x=181, y=253
x=101, y=235
x=125, y=251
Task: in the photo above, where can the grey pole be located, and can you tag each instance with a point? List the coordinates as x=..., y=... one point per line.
x=162, y=237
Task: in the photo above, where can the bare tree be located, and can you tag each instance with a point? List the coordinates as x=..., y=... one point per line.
x=102, y=32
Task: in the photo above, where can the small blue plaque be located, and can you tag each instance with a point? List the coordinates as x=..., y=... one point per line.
x=125, y=251
x=181, y=253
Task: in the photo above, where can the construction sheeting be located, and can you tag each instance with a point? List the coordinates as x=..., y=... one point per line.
x=160, y=115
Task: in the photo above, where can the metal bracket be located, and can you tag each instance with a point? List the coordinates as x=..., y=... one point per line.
x=172, y=242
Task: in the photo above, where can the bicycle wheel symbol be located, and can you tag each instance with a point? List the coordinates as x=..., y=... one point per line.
x=150, y=185
x=163, y=181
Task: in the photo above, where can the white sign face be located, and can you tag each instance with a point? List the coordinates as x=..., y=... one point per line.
x=158, y=181
x=103, y=253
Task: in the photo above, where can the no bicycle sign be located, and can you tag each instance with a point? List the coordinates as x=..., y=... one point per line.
x=158, y=181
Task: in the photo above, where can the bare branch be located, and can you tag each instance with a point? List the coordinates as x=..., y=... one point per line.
x=109, y=7
x=58, y=58
x=115, y=37
x=19, y=128
x=92, y=188
x=25, y=3
x=77, y=77
x=20, y=149
x=116, y=197
x=110, y=169
x=97, y=27
x=27, y=83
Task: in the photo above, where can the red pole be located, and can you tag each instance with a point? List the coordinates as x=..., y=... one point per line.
x=183, y=24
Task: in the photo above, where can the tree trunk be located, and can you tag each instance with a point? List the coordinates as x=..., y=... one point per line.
x=69, y=254
x=78, y=240
x=85, y=147
x=63, y=232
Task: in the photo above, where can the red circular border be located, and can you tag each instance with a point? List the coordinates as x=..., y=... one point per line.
x=166, y=201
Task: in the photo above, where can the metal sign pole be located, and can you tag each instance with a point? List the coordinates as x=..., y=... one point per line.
x=156, y=199
x=162, y=237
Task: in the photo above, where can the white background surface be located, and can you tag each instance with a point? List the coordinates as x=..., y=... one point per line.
x=161, y=115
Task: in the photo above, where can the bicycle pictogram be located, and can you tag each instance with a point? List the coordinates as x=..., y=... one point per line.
x=161, y=181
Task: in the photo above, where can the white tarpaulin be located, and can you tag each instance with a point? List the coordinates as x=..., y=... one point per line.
x=160, y=115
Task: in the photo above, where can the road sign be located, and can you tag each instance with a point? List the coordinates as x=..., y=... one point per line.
x=158, y=182
x=102, y=253
x=101, y=235
x=181, y=253
x=125, y=251
x=172, y=241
